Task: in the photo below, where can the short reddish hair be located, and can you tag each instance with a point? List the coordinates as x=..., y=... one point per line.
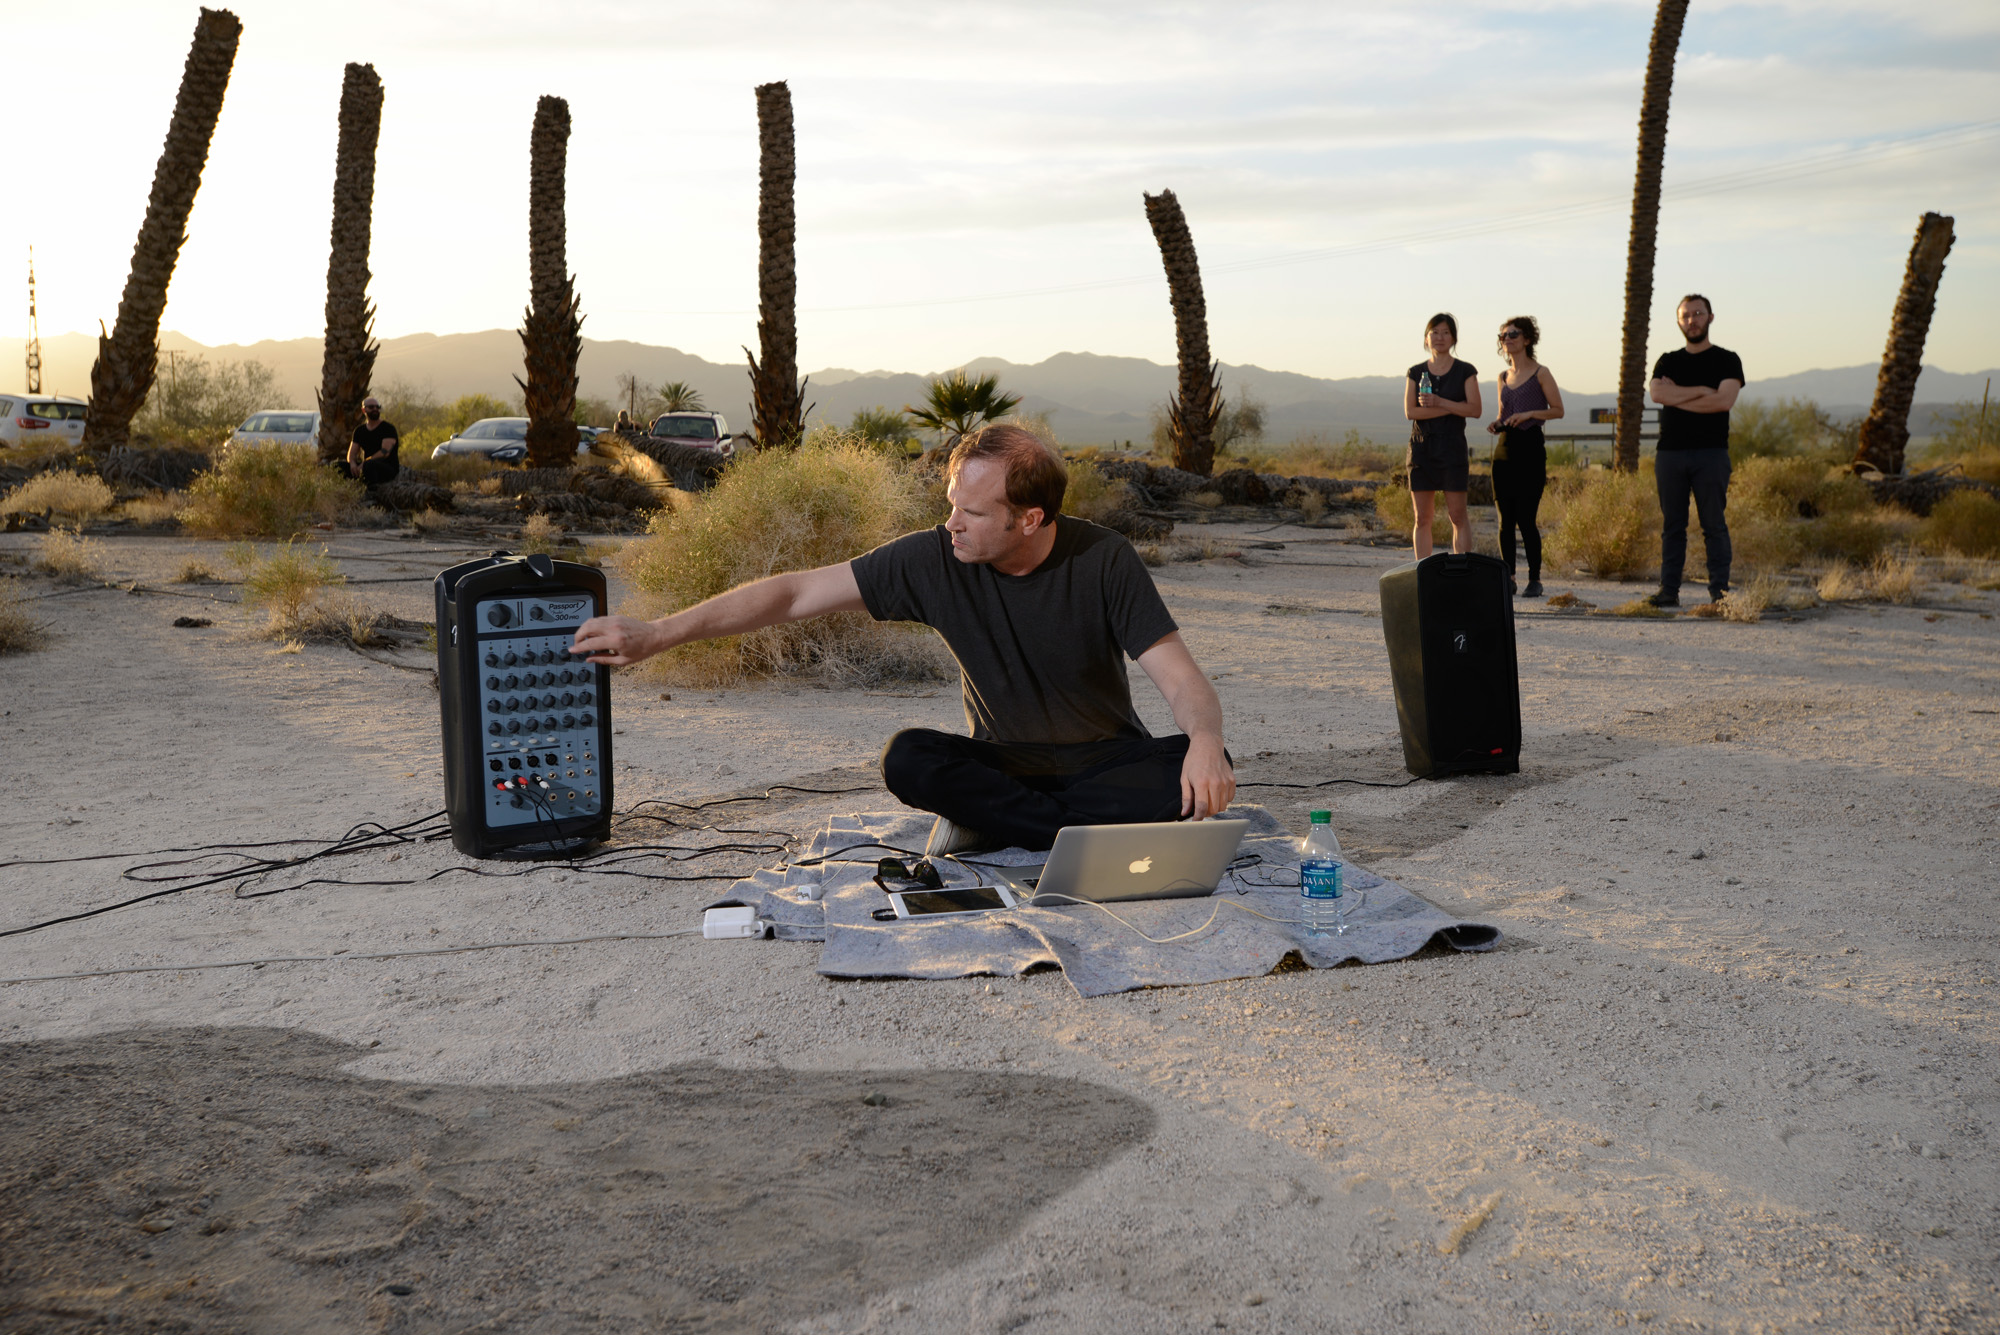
x=1036, y=477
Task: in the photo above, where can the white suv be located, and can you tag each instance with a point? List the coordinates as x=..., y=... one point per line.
x=30, y=419
x=278, y=426
x=703, y=431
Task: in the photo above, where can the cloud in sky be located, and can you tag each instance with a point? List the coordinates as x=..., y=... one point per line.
x=1478, y=163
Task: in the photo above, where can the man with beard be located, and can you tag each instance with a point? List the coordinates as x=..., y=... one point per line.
x=1695, y=388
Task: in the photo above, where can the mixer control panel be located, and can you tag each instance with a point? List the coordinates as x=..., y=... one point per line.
x=540, y=708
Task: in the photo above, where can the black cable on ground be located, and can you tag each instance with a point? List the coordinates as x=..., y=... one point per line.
x=1325, y=783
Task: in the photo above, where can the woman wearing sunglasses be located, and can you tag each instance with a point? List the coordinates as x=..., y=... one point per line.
x=1528, y=398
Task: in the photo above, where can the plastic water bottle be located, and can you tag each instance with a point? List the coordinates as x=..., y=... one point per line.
x=1424, y=384
x=1319, y=875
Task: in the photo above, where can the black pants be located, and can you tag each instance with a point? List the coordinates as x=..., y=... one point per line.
x=374, y=472
x=1517, y=495
x=1703, y=474
x=1024, y=793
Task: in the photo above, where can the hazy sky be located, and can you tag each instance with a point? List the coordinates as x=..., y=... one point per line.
x=970, y=175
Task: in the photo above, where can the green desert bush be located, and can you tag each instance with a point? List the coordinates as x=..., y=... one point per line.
x=1966, y=522
x=196, y=403
x=300, y=590
x=71, y=496
x=1608, y=525
x=268, y=491
x=828, y=501
x=1789, y=428
x=541, y=535
x=1091, y=495
x=20, y=632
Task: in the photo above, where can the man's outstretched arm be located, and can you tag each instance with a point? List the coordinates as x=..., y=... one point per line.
x=1208, y=784
x=766, y=602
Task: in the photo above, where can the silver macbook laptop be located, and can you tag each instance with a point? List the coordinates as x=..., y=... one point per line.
x=1169, y=860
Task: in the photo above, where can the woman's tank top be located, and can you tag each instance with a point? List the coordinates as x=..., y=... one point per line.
x=1523, y=398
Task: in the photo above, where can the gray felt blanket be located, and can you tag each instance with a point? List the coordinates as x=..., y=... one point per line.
x=834, y=901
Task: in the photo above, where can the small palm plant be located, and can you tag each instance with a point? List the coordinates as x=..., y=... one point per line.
x=680, y=397
x=959, y=403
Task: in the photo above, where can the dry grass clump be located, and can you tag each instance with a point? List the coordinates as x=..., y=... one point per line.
x=1786, y=509
x=1608, y=524
x=20, y=633
x=429, y=521
x=1745, y=603
x=463, y=471
x=71, y=496
x=269, y=491
x=1397, y=510
x=194, y=570
x=1966, y=522
x=1894, y=579
x=1840, y=583
x=1318, y=455
x=776, y=511
x=71, y=557
x=159, y=507
x=1309, y=503
x=291, y=583
x=1639, y=607
x=541, y=535
x=1092, y=496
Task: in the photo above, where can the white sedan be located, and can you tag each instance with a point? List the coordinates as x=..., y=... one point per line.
x=278, y=426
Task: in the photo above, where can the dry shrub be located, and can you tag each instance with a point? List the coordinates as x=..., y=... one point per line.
x=1894, y=579
x=1747, y=602
x=269, y=491
x=1565, y=601
x=1639, y=607
x=429, y=521
x=71, y=496
x=541, y=535
x=20, y=633
x=775, y=511
x=1207, y=500
x=1318, y=455
x=289, y=582
x=1966, y=522
x=1956, y=568
x=71, y=557
x=1840, y=583
x=463, y=471
x=1608, y=524
x=1310, y=504
x=1397, y=510
x=161, y=507
x=1093, y=496
x=194, y=570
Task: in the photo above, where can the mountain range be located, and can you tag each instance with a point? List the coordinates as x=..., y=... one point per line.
x=1090, y=399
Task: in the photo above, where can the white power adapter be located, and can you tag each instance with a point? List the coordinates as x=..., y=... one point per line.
x=731, y=924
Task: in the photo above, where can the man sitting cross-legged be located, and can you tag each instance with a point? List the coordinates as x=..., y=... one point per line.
x=1040, y=610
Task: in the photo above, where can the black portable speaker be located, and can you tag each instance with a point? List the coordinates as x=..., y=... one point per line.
x=527, y=727
x=1449, y=623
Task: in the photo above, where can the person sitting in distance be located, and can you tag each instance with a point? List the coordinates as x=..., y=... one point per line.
x=1040, y=609
x=371, y=455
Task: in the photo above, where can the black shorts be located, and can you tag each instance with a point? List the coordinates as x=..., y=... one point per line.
x=1439, y=467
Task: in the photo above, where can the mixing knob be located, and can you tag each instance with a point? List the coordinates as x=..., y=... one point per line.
x=493, y=683
x=586, y=720
x=513, y=725
x=498, y=615
x=569, y=697
x=511, y=658
x=537, y=614
x=569, y=720
x=584, y=697
x=492, y=706
x=494, y=728
x=513, y=680
x=492, y=659
x=513, y=704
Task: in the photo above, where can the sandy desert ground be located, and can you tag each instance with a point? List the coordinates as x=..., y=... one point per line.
x=1733, y=1068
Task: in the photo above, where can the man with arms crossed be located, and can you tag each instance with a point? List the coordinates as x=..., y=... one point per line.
x=1040, y=609
x=1695, y=388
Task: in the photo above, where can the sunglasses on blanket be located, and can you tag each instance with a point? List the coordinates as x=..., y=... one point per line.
x=920, y=872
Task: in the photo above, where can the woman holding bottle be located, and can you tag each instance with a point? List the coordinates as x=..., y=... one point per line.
x=1440, y=394
x=1528, y=398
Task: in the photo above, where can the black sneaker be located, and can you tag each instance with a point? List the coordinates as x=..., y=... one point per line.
x=1665, y=598
x=1534, y=589
x=1513, y=589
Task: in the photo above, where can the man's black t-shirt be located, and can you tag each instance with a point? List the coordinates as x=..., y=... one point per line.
x=1681, y=429
x=382, y=436
x=1042, y=654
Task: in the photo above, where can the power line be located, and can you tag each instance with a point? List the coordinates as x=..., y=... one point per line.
x=1747, y=178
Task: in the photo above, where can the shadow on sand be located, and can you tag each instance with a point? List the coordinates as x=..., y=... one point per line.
x=235, y=1179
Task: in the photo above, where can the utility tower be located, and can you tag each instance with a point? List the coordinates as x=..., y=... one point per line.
x=34, y=332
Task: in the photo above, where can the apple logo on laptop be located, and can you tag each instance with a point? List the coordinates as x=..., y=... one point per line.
x=1141, y=867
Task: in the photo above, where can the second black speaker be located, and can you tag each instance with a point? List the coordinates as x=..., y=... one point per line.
x=1449, y=624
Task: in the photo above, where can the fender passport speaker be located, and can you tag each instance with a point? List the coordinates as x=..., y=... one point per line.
x=1449, y=623
x=527, y=727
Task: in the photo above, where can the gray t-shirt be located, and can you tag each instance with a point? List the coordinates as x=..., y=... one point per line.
x=1042, y=654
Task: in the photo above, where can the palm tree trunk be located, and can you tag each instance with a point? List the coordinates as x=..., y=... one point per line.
x=1886, y=431
x=1192, y=413
x=552, y=330
x=776, y=392
x=1645, y=229
x=349, y=360
x=129, y=356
